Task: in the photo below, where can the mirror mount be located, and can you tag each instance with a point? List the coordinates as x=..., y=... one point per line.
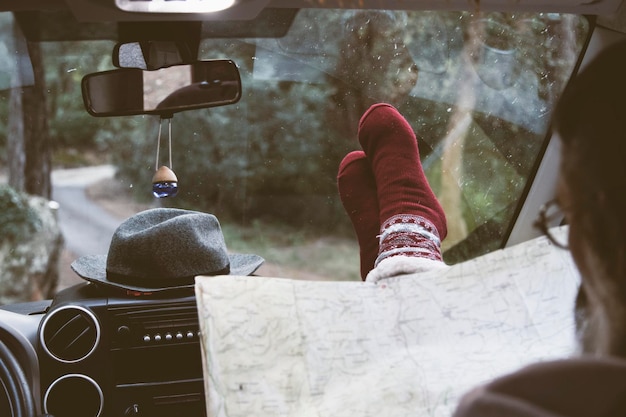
x=155, y=45
x=166, y=116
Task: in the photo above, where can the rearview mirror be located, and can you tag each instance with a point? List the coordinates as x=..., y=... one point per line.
x=131, y=91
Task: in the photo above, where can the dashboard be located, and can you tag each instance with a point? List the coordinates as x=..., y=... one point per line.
x=89, y=353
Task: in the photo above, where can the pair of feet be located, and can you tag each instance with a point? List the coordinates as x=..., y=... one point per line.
x=386, y=194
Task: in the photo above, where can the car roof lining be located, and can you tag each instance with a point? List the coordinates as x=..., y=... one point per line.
x=61, y=25
x=101, y=10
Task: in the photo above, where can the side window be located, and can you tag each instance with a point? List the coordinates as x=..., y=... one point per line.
x=510, y=73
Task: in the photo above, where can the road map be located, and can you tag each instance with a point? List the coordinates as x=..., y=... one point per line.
x=406, y=346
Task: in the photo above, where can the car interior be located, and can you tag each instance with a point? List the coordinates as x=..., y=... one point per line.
x=257, y=101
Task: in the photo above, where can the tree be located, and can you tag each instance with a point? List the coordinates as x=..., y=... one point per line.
x=28, y=144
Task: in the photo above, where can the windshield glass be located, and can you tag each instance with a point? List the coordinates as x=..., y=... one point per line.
x=478, y=89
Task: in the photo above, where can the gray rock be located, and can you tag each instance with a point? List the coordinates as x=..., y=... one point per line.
x=30, y=247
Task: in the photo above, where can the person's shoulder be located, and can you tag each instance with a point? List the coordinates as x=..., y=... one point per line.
x=585, y=386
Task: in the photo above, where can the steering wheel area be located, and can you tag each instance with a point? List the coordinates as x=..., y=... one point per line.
x=16, y=399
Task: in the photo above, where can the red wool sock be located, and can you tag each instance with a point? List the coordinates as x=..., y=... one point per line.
x=412, y=221
x=357, y=191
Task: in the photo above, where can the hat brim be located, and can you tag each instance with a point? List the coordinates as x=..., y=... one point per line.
x=92, y=268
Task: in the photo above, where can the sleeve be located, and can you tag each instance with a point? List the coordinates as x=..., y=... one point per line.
x=568, y=388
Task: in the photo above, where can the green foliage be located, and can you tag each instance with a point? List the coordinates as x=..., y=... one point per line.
x=17, y=218
x=67, y=63
x=302, y=251
x=244, y=161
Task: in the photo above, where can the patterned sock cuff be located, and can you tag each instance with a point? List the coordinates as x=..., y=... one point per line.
x=409, y=235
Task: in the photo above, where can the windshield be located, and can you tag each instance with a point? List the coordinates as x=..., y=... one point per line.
x=478, y=89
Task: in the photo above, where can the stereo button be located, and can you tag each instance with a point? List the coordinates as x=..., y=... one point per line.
x=189, y=334
x=157, y=337
x=147, y=338
x=179, y=336
x=123, y=334
x=168, y=336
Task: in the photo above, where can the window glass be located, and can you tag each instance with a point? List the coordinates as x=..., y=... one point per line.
x=478, y=90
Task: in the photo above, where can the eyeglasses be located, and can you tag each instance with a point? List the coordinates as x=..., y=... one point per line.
x=548, y=213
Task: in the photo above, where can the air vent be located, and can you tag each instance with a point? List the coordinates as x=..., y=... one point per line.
x=74, y=395
x=163, y=315
x=70, y=333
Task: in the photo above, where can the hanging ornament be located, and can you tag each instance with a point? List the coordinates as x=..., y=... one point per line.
x=164, y=181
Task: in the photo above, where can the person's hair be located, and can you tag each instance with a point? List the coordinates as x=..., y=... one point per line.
x=591, y=121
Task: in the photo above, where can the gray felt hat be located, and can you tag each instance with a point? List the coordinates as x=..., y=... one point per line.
x=164, y=249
